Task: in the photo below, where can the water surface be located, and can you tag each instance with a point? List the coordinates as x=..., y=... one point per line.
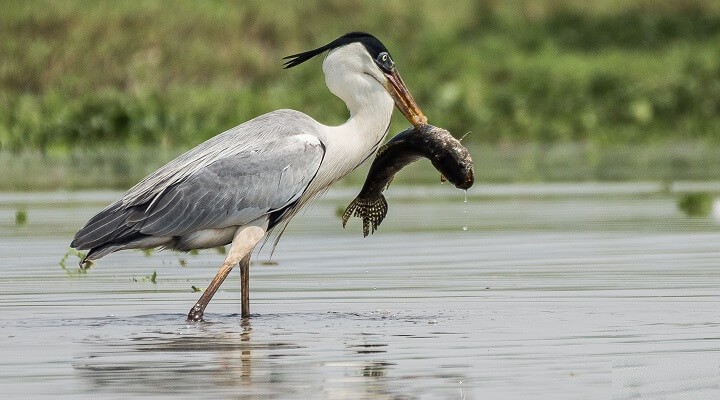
x=551, y=293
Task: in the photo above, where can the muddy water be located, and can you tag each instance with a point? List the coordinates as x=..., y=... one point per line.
x=566, y=296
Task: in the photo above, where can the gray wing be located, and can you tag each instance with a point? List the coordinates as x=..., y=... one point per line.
x=253, y=136
x=232, y=179
x=233, y=191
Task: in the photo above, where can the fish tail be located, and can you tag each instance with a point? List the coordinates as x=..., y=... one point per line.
x=372, y=212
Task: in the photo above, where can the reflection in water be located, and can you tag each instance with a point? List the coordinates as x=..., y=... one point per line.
x=245, y=353
x=173, y=362
x=215, y=358
x=374, y=370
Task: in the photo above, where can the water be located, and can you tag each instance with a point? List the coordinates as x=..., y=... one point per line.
x=465, y=226
x=584, y=295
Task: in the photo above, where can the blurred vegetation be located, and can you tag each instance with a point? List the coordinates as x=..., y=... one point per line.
x=83, y=79
x=21, y=217
x=92, y=168
x=696, y=204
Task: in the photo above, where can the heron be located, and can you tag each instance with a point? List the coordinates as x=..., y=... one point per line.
x=242, y=184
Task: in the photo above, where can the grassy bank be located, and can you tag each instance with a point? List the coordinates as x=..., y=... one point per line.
x=499, y=163
x=159, y=73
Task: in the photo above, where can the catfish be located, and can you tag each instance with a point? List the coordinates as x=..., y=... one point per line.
x=445, y=153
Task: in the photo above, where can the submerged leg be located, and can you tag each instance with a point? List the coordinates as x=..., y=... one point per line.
x=245, y=286
x=242, y=245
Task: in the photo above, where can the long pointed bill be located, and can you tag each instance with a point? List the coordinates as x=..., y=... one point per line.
x=403, y=100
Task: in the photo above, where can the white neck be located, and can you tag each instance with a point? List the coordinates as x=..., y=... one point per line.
x=351, y=143
x=370, y=114
x=355, y=141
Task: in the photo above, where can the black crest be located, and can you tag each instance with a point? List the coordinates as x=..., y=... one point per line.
x=371, y=43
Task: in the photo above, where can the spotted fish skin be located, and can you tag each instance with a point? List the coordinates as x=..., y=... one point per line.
x=445, y=153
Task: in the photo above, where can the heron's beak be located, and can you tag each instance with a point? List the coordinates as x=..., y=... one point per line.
x=403, y=99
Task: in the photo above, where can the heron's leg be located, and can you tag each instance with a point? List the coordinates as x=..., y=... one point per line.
x=242, y=245
x=245, y=286
x=196, y=313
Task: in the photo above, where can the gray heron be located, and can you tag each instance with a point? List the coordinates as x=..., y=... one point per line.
x=240, y=185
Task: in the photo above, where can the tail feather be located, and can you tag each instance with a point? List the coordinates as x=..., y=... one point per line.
x=372, y=212
x=98, y=252
x=126, y=241
x=102, y=227
x=105, y=233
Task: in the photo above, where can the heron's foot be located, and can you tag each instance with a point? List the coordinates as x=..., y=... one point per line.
x=196, y=313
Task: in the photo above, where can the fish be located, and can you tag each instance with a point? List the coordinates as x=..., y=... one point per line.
x=444, y=151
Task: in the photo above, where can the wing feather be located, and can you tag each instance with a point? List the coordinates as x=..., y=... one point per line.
x=232, y=179
x=246, y=187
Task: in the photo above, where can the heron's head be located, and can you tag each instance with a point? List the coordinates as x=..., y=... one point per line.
x=363, y=54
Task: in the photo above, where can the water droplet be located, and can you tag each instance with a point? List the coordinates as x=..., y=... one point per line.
x=465, y=211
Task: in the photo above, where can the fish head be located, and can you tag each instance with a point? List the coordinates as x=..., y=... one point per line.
x=456, y=167
x=446, y=153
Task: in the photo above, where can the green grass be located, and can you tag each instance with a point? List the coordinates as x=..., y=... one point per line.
x=168, y=75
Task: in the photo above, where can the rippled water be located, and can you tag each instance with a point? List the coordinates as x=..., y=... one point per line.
x=554, y=293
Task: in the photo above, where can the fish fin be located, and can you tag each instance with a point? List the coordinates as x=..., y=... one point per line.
x=372, y=212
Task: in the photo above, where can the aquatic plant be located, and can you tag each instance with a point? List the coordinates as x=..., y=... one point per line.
x=696, y=204
x=152, y=278
x=82, y=268
x=21, y=217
